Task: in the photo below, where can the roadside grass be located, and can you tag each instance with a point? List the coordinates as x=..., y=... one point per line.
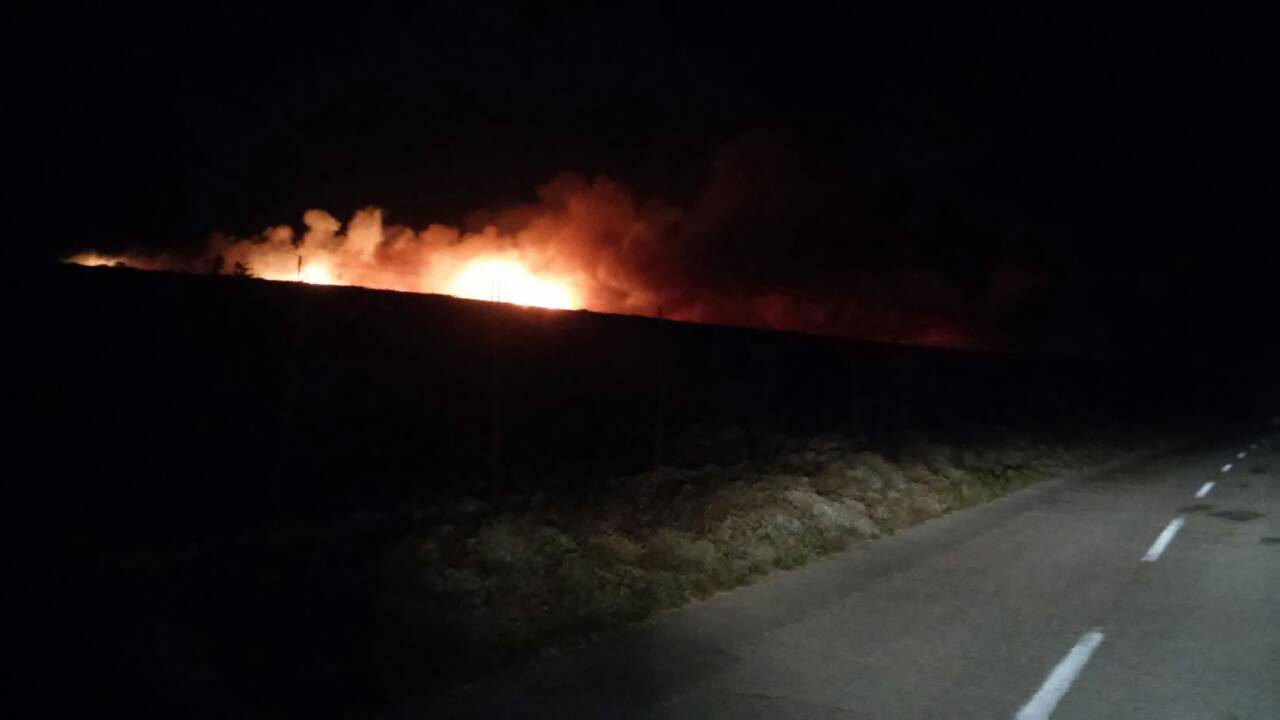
x=536, y=574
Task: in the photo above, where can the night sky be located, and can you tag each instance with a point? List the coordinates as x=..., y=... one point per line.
x=1114, y=175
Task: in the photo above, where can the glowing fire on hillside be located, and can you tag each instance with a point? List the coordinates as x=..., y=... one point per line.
x=486, y=278
x=582, y=244
x=315, y=274
x=91, y=259
x=509, y=281
x=546, y=255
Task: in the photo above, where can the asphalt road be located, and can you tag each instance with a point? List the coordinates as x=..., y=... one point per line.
x=1119, y=594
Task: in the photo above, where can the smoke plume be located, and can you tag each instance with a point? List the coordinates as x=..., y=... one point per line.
x=764, y=244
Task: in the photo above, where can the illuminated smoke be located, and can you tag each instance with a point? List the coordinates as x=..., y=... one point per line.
x=591, y=244
x=584, y=244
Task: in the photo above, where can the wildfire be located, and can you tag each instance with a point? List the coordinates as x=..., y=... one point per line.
x=582, y=244
x=93, y=259
x=509, y=281
x=317, y=274
x=485, y=278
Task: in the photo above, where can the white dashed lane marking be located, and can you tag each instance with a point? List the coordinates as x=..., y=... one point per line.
x=1166, y=537
x=1041, y=705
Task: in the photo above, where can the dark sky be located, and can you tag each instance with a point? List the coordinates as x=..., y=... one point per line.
x=1128, y=161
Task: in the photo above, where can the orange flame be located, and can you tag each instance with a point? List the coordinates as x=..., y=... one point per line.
x=93, y=259
x=509, y=281
x=317, y=273
x=491, y=278
x=583, y=244
x=562, y=252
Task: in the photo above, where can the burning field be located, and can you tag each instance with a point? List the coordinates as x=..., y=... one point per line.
x=730, y=257
x=559, y=253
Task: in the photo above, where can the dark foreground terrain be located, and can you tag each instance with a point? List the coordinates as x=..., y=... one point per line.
x=241, y=498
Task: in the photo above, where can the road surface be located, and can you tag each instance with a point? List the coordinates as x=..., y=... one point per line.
x=1138, y=591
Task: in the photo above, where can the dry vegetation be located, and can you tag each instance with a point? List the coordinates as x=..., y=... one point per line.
x=536, y=573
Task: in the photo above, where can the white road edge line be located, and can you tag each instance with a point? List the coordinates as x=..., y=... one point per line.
x=1240, y=455
x=1204, y=489
x=1041, y=705
x=1166, y=537
x=1226, y=468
